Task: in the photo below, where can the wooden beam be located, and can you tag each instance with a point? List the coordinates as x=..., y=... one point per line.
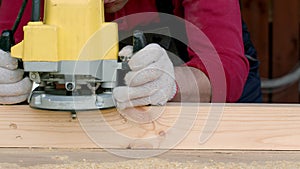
x=242, y=126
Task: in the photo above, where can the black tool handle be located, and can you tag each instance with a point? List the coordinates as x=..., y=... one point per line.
x=139, y=40
x=6, y=40
x=36, y=7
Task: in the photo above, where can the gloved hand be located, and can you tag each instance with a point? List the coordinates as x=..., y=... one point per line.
x=13, y=87
x=151, y=80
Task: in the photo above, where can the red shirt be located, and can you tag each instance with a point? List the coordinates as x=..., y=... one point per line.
x=218, y=20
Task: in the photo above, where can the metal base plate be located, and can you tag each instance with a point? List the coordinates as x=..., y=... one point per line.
x=71, y=103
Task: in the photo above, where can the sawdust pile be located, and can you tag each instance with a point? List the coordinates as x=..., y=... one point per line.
x=159, y=164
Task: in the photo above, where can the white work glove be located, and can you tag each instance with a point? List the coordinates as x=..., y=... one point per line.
x=151, y=80
x=13, y=87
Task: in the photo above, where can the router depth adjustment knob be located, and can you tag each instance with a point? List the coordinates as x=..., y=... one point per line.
x=70, y=86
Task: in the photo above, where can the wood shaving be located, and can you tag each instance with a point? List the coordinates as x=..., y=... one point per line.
x=61, y=158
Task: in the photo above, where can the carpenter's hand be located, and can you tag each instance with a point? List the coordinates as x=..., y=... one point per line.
x=13, y=87
x=151, y=80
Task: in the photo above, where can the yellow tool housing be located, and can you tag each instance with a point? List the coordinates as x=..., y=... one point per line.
x=72, y=30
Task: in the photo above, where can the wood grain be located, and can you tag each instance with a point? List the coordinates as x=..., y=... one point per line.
x=242, y=126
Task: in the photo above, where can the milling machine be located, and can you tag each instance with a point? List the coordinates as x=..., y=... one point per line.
x=72, y=55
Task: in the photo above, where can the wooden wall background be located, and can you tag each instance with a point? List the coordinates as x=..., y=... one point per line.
x=274, y=28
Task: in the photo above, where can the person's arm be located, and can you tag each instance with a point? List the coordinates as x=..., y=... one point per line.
x=217, y=68
x=192, y=85
x=220, y=21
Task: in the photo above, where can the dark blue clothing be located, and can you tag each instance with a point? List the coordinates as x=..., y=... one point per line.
x=252, y=89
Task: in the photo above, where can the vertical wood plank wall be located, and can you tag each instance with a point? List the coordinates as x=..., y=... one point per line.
x=274, y=29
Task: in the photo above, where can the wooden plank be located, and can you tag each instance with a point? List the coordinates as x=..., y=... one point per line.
x=32, y=157
x=242, y=126
x=285, y=46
